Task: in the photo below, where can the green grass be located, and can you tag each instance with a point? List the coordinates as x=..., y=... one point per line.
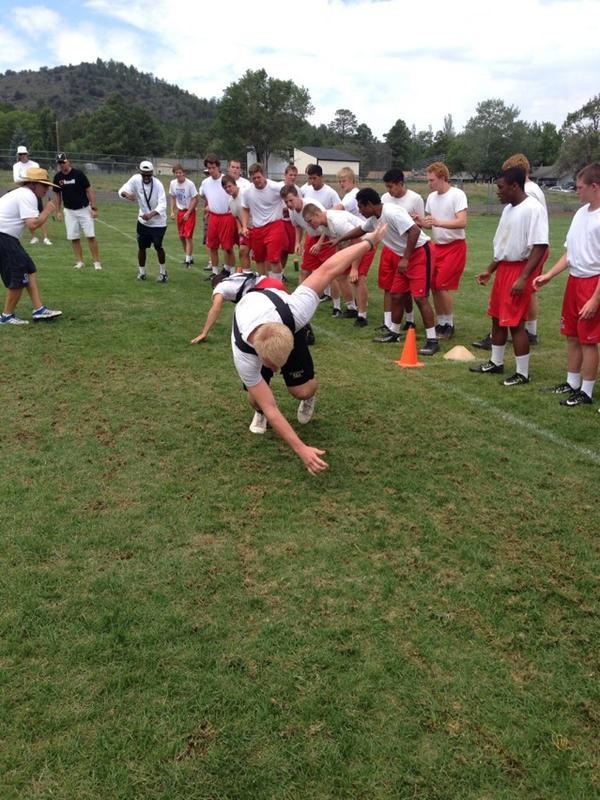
x=187, y=613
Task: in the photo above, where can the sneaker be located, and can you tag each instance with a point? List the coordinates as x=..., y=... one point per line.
x=141, y=277
x=446, y=332
x=325, y=298
x=336, y=312
x=360, y=322
x=533, y=339
x=439, y=329
x=578, y=398
x=485, y=343
x=259, y=423
x=187, y=263
x=560, y=388
x=11, y=319
x=387, y=337
x=350, y=313
x=306, y=409
x=310, y=335
x=47, y=240
x=79, y=265
x=488, y=366
x=45, y=313
x=430, y=348
x=34, y=240
x=515, y=380
x=97, y=265
x=162, y=278
x=208, y=268
x=383, y=328
x=408, y=325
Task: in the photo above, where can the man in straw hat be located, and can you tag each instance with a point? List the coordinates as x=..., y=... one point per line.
x=19, y=210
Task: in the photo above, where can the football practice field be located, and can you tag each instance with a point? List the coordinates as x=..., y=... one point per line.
x=187, y=614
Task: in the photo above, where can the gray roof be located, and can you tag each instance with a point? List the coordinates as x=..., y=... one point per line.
x=328, y=154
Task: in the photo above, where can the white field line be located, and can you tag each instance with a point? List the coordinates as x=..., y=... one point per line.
x=127, y=235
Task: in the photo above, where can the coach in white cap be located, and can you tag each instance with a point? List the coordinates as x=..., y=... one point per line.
x=20, y=168
x=150, y=195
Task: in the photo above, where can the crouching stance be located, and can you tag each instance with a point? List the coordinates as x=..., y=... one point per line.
x=267, y=337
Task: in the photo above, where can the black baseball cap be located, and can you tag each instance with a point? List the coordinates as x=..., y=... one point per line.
x=61, y=157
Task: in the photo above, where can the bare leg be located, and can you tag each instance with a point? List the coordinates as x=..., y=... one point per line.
x=34, y=294
x=589, y=366
x=426, y=311
x=574, y=354
x=12, y=298
x=77, y=250
x=93, y=245
x=520, y=340
x=304, y=391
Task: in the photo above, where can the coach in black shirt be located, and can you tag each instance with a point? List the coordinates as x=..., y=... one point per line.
x=79, y=199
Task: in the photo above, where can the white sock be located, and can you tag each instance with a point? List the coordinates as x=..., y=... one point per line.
x=574, y=379
x=442, y=319
x=523, y=365
x=394, y=327
x=531, y=326
x=498, y=354
x=351, y=306
x=430, y=333
x=450, y=319
x=362, y=314
x=337, y=303
x=188, y=259
x=327, y=291
x=387, y=318
x=142, y=270
x=230, y=269
x=215, y=270
x=410, y=316
x=588, y=387
x=276, y=275
x=162, y=268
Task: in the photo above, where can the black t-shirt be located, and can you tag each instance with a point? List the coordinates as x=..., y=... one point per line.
x=72, y=188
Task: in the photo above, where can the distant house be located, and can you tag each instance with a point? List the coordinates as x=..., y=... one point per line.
x=551, y=175
x=330, y=159
x=164, y=166
x=275, y=167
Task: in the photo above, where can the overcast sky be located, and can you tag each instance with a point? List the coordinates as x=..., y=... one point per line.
x=382, y=59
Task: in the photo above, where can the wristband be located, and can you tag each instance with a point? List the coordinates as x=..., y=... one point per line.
x=369, y=242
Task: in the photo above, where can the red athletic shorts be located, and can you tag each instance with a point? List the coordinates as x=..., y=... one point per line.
x=577, y=292
x=417, y=278
x=510, y=310
x=449, y=264
x=290, y=233
x=365, y=263
x=267, y=242
x=388, y=264
x=185, y=227
x=222, y=231
x=309, y=262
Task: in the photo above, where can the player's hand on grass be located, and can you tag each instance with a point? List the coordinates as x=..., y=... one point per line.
x=200, y=338
x=483, y=278
x=311, y=458
x=590, y=308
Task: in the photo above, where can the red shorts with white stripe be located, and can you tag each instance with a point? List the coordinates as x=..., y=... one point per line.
x=290, y=234
x=417, y=277
x=577, y=292
x=222, y=231
x=185, y=227
x=449, y=264
x=511, y=309
x=267, y=242
x=309, y=262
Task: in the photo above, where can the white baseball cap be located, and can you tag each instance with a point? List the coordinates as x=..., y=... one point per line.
x=146, y=166
x=21, y=149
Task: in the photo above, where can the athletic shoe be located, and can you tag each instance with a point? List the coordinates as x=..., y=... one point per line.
x=408, y=325
x=45, y=313
x=208, y=268
x=446, y=332
x=383, y=328
x=34, y=240
x=560, y=388
x=306, y=409
x=430, y=348
x=350, y=313
x=187, y=263
x=336, y=312
x=310, y=335
x=162, y=278
x=259, y=423
x=387, y=337
x=488, y=367
x=485, y=343
x=141, y=277
x=79, y=265
x=360, y=322
x=439, y=329
x=533, y=339
x=325, y=298
x=11, y=319
x=578, y=398
x=47, y=240
x=515, y=380
x=97, y=265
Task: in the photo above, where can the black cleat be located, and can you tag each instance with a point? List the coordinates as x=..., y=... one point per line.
x=515, y=380
x=488, y=367
x=336, y=312
x=387, y=338
x=430, y=348
x=533, y=339
x=408, y=325
x=350, y=313
x=141, y=277
x=485, y=343
x=560, y=388
x=163, y=278
x=360, y=322
x=447, y=331
x=578, y=398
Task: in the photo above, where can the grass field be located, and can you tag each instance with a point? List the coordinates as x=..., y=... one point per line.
x=188, y=614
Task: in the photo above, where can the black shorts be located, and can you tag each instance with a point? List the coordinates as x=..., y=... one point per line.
x=148, y=237
x=15, y=264
x=299, y=367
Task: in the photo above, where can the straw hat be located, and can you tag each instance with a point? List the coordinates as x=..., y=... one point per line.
x=37, y=175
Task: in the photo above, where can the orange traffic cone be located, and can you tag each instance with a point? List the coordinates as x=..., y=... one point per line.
x=409, y=351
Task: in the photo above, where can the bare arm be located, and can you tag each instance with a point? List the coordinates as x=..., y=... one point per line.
x=33, y=223
x=57, y=205
x=245, y=220
x=173, y=202
x=211, y=318
x=91, y=196
x=459, y=221
x=559, y=267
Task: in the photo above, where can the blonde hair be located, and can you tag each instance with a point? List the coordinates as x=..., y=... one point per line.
x=440, y=170
x=309, y=210
x=347, y=172
x=274, y=342
x=518, y=160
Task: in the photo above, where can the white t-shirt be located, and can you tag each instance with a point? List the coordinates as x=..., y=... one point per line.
x=183, y=193
x=235, y=206
x=533, y=190
x=297, y=219
x=339, y=223
x=398, y=224
x=411, y=202
x=20, y=168
x=350, y=204
x=264, y=204
x=583, y=243
x=243, y=184
x=216, y=196
x=15, y=208
x=256, y=309
x=150, y=197
x=446, y=206
x=520, y=228
x=327, y=196
x=230, y=287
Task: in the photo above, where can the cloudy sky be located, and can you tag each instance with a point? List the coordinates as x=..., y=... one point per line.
x=382, y=59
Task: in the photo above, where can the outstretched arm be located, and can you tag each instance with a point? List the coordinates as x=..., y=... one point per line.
x=211, y=318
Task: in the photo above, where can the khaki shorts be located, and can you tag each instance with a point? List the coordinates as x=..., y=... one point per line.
x=78, y=221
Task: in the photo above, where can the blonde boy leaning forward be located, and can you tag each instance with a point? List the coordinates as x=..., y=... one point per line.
x=580, y=317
